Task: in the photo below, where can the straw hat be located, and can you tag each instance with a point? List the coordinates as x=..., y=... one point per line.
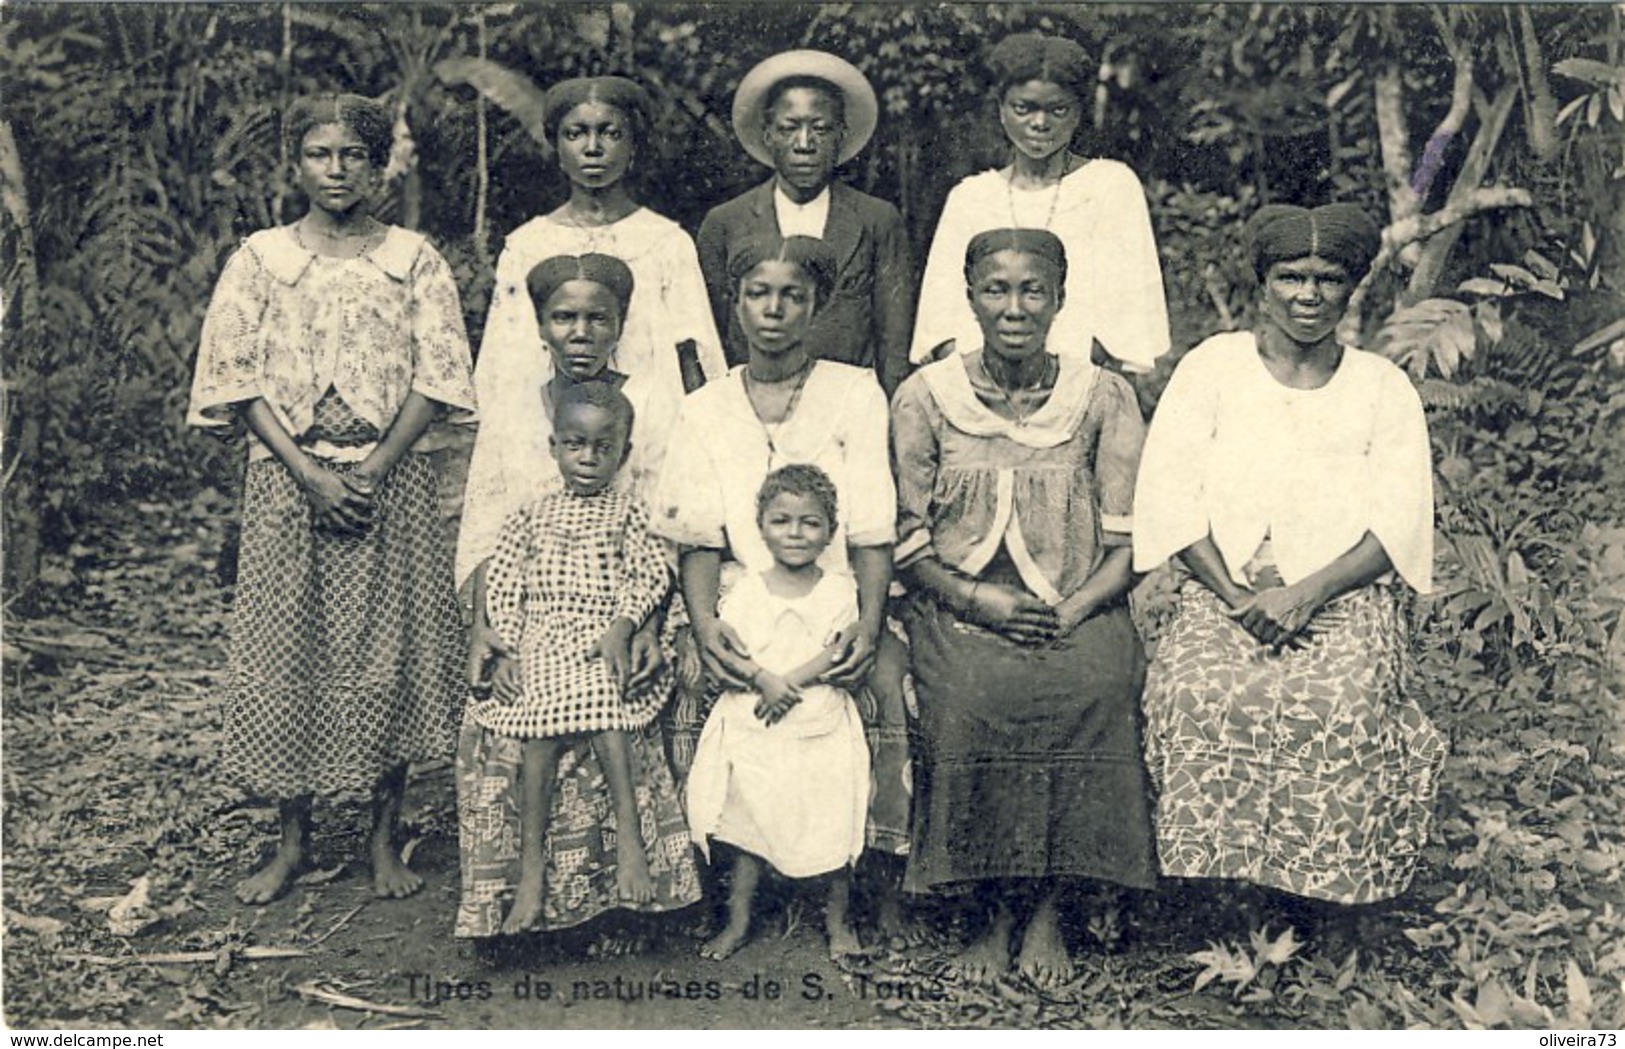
x=862, y=110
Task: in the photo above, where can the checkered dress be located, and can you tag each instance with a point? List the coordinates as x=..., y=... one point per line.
x=565, y=568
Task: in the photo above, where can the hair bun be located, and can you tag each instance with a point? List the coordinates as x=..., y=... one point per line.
x=1023, y=57
x=547, y=276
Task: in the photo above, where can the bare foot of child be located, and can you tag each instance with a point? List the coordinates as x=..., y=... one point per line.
x=391, y=879
x=989, y=957
x=527, y=905
x=272, y=880
x=632, y=878
x=1043, y=958
x=895, y=929
x=843, y=940
x=725, y=942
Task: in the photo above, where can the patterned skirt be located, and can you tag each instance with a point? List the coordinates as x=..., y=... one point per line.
x=580, y=845
x=1308, y=770
x=1032, y=755
x=346, y=651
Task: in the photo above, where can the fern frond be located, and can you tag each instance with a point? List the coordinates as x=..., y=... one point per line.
x=1480, y=394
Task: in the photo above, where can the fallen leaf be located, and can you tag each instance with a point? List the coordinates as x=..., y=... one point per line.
x=47, y=929
x=130, y=915
x=1579, y=997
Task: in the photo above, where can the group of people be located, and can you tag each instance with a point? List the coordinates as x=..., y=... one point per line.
x=770, y=548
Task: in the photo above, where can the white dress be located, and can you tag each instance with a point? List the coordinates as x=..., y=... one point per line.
x=795, y=793
x=511, y=466
x=1114, y=280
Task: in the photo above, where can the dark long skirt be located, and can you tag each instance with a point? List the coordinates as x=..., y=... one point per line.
x=346, y=651
x=1032, y=756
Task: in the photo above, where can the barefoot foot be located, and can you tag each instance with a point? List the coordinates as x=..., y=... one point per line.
x=272, y=880
x=632, y=879
x=1043, y=958
x=895, y=929
x=527, y=905
x=987, y=959
x=391, y=879
x=725, y=942
x=843, y=941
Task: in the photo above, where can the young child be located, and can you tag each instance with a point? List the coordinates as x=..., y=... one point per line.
x=782, y=772
x=574, y=576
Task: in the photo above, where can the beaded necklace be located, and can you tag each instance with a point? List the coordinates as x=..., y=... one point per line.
x=1046, y=379
x=769, y=430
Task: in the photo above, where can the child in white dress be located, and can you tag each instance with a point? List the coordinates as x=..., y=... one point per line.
x=782, y=773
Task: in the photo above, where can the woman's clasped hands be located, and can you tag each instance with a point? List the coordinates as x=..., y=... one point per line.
x=340, y=502
x=1279, y=616
x=1023, y=617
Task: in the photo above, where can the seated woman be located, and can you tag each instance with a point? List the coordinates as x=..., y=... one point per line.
x=1015, y=471
x=781, y=407
x=596, y=124
x=576, y=862
x=1290, y=475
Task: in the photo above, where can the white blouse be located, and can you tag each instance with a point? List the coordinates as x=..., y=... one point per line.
x=721, y=452
x=1233, y=453
x=510, y=464
x=1113, y=283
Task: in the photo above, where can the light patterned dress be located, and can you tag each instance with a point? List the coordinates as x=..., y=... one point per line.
x=567, y=567
x=1309, y=769
x=346, y=651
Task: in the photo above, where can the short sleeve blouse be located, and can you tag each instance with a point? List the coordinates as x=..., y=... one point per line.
x=287, y=325
x=1234, y=454
x=1053, y=491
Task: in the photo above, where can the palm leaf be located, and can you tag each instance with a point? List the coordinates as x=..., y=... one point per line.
x=513, y=92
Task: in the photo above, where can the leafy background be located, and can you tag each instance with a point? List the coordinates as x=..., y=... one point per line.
x=139, y=145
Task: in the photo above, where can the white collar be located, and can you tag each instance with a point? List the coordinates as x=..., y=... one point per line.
x=803, y=220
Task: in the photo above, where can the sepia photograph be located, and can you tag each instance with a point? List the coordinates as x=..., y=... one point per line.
x=812, y=516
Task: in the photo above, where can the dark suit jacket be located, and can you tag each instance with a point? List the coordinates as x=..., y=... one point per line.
x=870, y=316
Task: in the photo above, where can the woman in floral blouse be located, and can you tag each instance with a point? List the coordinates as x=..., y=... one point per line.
x=337, y=340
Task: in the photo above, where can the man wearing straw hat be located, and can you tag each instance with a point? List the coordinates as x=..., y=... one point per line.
x=802, y=113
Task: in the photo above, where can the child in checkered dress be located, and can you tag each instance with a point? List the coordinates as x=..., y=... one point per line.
x=575, y=574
